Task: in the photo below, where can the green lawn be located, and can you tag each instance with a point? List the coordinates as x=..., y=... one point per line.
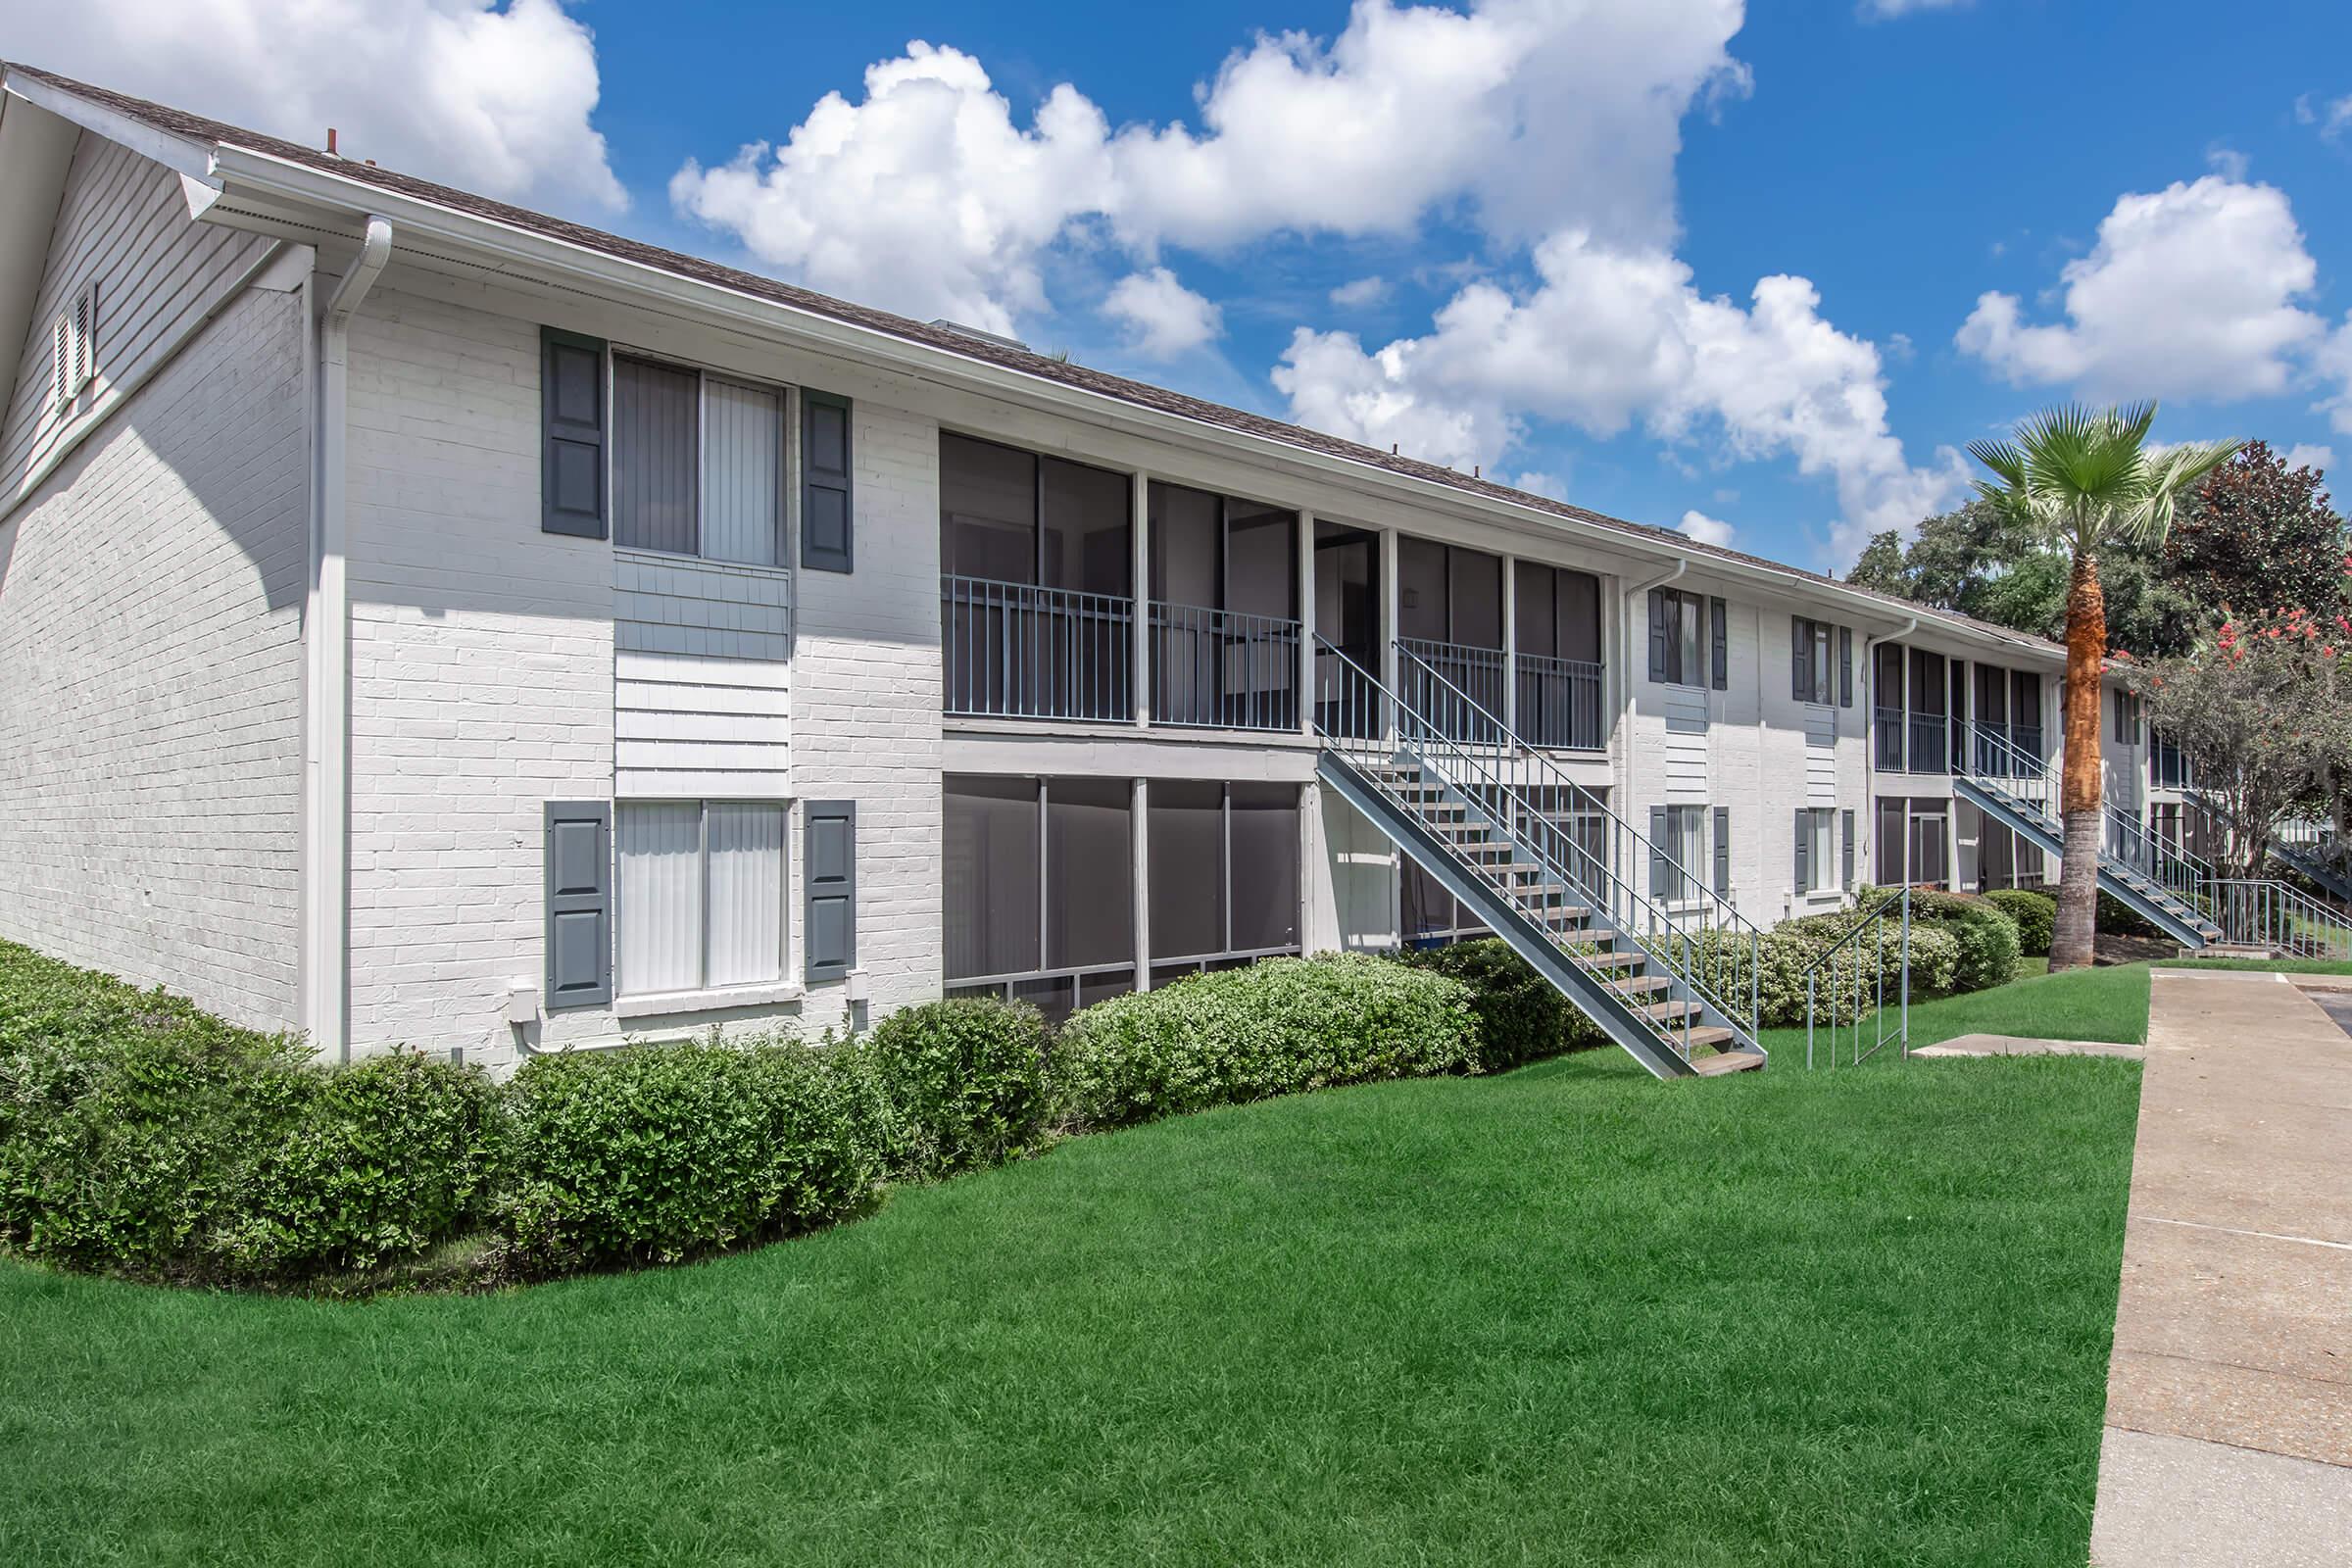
x=2283, y=965
x=1567, y=1316
x=2110, y=1005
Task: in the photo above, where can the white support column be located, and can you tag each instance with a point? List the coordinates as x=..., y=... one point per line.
x=1388, y=602
x=1139, y=842
x=1140, y=511
x=1307, y=622
x=1510, y=644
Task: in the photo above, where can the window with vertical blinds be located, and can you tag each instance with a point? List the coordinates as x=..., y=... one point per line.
x=698, y=463
x=701, y=895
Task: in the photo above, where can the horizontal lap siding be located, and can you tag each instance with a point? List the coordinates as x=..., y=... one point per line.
x=150, y=719
x=123, y=224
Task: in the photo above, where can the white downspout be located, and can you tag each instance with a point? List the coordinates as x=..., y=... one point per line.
x=326, y=837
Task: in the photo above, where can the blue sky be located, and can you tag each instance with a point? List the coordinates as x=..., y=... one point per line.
x=1971, y=209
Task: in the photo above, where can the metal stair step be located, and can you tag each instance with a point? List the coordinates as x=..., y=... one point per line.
x=1711, y=1035
x=1668, y=1011
x=1727, y=1062
x=1640, y=984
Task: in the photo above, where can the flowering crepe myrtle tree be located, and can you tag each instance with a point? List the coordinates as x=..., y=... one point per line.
x=2078, y=479
x=2263, y=713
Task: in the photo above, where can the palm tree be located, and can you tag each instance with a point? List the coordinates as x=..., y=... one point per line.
x=2078, y=476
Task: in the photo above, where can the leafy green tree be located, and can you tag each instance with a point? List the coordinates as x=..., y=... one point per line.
x=2077, y=480
x=2259, y=537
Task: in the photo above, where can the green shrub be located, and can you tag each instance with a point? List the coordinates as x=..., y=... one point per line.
x=1842, y=985
x=1986, y=943
x=654, y=1153
x=967, y=1080
x=1522, y=1017
x=138, y=1135
x=2035, y=914
x=1276, y=1027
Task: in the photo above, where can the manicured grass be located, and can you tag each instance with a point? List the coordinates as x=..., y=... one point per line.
x=2110, y=1005
x=1567, y=1316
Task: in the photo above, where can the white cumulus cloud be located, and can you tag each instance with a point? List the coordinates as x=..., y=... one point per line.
x=494, y=99
x=1707, y=530
x=2191, y=291
x=1358, y=292
x=1163, y=317
x=2310, y=455
x=1612, y=337
x=929, y=195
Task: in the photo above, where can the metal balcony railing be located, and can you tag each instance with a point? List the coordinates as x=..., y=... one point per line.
x=1017, y=651
x=1928, y=749
x=1886, y=751
x=1220, y=669
x=1476, y=673
x=1560, y=704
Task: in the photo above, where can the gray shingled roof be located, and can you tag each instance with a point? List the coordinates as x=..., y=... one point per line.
x=196, y=127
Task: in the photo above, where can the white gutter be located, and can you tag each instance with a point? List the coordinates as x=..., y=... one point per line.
x=541, y=254
x=326, y=712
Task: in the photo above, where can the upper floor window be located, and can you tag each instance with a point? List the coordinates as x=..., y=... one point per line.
x=1822, y=663
x=698, y=463
x=74, y=347
x=1678, y=638
x=2126, y=718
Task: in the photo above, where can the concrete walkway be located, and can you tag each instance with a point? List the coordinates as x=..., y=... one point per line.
x=2228, y=1434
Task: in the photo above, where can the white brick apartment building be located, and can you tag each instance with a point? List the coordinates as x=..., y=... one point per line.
x=426, y=621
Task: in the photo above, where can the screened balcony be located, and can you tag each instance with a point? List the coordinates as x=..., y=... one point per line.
x=1224, y=612
x=1037, y=607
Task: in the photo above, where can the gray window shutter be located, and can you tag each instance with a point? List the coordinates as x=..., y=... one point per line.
x=1723, y=851
x=1804, y=853
x=578, y=872
x=1800, y=653
x=1845, y=840
x=827, y=535
x=572, y=422
x=1657, y=635
x=1720, y=614
x=830, y=864
x=1845, y=666
x=1660, y=877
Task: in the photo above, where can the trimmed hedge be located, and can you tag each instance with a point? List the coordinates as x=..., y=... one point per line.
x=140, y=1136
x=967, y=1077
x=1275, y=1027
x=2035, y=914
x=656, y=1154
x=1521, y=1016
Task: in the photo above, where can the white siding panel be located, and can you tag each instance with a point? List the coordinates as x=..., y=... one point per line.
x=123, y=225
x=1821, y=756
x=1685, y=744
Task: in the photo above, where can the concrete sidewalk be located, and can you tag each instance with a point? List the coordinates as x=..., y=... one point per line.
x=2228, y=1435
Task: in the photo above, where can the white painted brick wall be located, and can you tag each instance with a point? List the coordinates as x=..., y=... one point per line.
x=483, y=686
x=151, y=707
x=481, y=677
x=866, y=695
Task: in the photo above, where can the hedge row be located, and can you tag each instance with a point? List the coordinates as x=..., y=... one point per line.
x=140, y=1136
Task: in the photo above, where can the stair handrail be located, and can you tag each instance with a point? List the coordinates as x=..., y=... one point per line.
x=2260, y=912
x=1874, y=924
x=2292, y=854
x=2176, y=873
x=1712, y=971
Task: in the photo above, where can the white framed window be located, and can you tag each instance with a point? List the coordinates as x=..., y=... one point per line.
x=74, y=347
x=1816, y=850
x=700, y=895
x=1678, y=859
x=1815, y=675
x=697, y=462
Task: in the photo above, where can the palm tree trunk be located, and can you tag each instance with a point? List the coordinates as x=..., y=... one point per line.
x=2073, y=939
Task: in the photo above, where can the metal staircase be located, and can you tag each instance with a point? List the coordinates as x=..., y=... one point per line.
x=2161, y=883
x=2301, y=857
x=1545, y=866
